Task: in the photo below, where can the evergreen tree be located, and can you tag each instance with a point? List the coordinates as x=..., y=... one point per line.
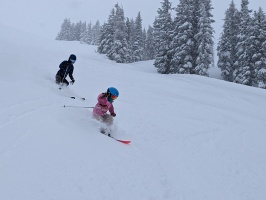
x=102, y=39
x=87, y=34
x=205, y=43
x=128, y=30
x=150, y=44
x=119, y=50
x=95, y=32
x=106, y=39
x=77, y=31
x=201, y=22
x=244, y=71
x=144, y=37
x=83, y=32
x=137, y=43
x=129, y=36
x=192, y=43
x=183, y=38
x=163, y=28
x=72, y=32
x=227, y=44
x=65, y=32
x=258, y=42
x=208, y=9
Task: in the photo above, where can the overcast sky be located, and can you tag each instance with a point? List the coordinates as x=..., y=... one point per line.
x=45, y=17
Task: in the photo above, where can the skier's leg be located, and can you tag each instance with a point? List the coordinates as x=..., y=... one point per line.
x=108, y=121
x=58, y=79
x=100, y=118
x=65, y=82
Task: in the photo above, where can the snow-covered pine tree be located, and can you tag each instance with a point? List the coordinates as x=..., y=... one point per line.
x=107, y=31
x=197, y=25
x=102, y=39
x=128, y=30
x=208, y=9
x=144, y=37
x=83, y=32
x=226, y=49
x=244, y=70
x=150, y=44
x=129, y=36
x=259, y=43
x=137, y=43
x=183, y=39
x=77, y=31
x=163, y=27
x=65, y=32
x=86, y=36
x=72, y=32
x=119, y=51
x=192, y=43
x=204, y=39
x=95, y=33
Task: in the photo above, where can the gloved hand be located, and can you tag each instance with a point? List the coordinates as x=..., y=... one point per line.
x=113, y=114
x=72, y=82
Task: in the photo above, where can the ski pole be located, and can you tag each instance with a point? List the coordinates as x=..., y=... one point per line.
x=77, y=106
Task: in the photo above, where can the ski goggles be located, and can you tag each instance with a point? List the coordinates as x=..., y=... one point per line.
x=113, y=97
x=73, y=61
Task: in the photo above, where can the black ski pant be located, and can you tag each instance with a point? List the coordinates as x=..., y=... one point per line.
x=59, y=80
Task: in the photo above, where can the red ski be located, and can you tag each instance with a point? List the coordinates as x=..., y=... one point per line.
x=109, y=135
x=123, y=141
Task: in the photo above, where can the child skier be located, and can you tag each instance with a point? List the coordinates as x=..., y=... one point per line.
x=104, y=104
x=66, y=69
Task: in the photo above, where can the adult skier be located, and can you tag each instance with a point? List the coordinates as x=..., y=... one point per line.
x=105, y=104
x=66, y=69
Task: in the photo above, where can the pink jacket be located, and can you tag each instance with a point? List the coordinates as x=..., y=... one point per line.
x=103, y=106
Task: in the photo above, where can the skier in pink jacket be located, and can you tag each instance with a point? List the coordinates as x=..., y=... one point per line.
x=104, y=104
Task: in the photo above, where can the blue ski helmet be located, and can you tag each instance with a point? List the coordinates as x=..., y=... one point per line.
x=113, y=91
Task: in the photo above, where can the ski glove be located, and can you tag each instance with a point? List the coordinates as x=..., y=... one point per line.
x=113, y=114
x=72, y=82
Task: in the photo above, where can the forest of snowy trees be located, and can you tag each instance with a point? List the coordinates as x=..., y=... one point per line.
x=121, y=39
x=81, y=31
x=181, y=40
x=242, y=46
x=184, y=45
x=124, y=40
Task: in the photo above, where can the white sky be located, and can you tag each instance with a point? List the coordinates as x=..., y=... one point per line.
x=193, y=137
x=45, y=17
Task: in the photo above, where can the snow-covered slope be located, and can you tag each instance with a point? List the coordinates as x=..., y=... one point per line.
x=192, y=137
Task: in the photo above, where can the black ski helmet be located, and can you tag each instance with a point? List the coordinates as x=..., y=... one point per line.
x=72, y=57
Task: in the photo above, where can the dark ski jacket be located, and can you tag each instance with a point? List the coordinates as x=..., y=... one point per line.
x=66, y=68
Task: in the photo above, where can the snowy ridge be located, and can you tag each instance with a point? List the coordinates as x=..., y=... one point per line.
x=192, y=137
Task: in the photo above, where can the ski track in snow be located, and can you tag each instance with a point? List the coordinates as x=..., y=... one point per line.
x=20, y=119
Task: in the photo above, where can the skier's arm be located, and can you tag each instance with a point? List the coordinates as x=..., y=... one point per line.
x=71, y=75
x=112, y=110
